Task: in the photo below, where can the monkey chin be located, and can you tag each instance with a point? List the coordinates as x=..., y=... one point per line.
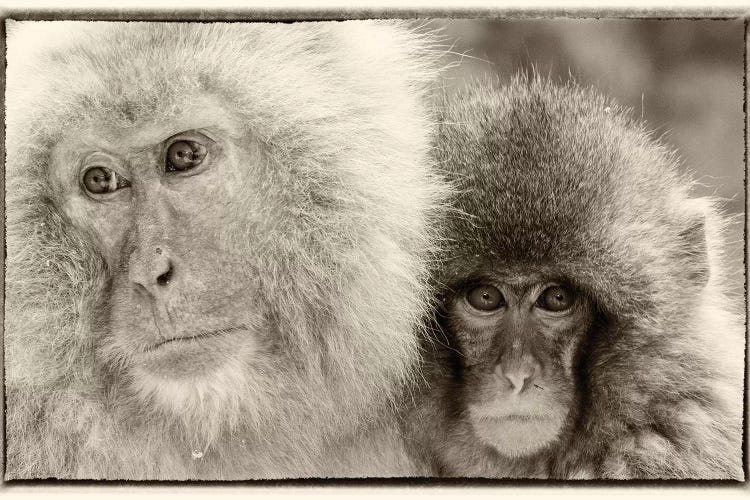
x=517, y=435
x=200, y=379
x=204, y=401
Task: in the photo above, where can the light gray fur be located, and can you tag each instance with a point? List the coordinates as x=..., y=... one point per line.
x=341, y=114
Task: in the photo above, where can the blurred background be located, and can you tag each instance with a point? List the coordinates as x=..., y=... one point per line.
x=684, y=77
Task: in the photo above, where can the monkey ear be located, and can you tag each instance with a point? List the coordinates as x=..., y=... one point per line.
x=693, y=251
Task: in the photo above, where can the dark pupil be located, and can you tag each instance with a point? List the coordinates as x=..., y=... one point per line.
x=183, y=155
x=556, y=299
x=98, y=180
x=485, y=298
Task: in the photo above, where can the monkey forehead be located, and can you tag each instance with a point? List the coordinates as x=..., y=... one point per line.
x=552, y=152
x=300, y=76
x=559, y=176
x=204, y=112
x=521, y=278
x=111, y=76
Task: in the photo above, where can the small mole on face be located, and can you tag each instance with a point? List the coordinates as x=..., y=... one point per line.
x=158, y=251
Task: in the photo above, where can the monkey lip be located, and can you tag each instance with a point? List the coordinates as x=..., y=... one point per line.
x=517, y=417
x=197, y=337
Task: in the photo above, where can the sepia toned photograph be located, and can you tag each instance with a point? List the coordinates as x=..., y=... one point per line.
x=425, y=248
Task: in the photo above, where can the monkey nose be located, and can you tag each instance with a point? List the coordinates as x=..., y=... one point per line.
x=518, y=378
x=152, y=272
x=517, y=381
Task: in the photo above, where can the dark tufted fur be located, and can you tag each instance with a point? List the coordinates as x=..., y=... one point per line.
x=558, y=178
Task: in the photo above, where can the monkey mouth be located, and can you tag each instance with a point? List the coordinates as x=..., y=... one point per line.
x=520, y=418
x=198, y=336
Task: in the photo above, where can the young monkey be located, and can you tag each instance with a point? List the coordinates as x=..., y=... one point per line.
x=582, y=319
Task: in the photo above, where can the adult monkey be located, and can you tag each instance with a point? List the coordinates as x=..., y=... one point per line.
x=216, y=243
x=584, y=309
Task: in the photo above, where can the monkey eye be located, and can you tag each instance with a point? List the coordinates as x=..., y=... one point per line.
x=485, y=298
x=99, y=180
x=184, y=155
x=556, y=298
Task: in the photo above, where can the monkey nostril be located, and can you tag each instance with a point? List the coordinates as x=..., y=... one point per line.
x=164, y=278
x=518, y=381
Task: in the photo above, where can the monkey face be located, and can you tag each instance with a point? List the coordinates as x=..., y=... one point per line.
x=518, y=340
x=218, y=238
x=166, y=205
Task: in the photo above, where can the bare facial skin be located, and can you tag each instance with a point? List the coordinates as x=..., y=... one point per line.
x=167, y=205
x=517, y=339
x=149, y=199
